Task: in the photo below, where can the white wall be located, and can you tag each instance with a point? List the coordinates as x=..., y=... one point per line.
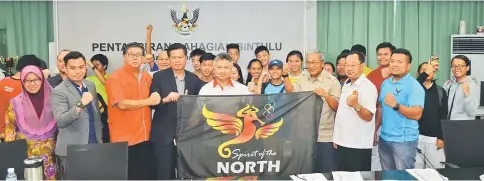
x=82, y=24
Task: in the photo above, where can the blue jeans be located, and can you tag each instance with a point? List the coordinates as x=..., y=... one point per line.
x=397, y=155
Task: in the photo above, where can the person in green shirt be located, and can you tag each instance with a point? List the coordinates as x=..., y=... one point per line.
x=99, y=64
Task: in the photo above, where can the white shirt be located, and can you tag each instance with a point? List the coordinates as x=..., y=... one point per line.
x=1, y=74
x=233, y=88
x=350, y=130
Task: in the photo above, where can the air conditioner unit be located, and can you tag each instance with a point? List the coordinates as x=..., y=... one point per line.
x=472, y=46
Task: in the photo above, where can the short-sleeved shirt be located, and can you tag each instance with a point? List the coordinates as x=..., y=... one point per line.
x=55, y=80
x=376, y=77
x=407, y=92
x=350, y=130
x=100, y=88
x=269, y=88
x=332, y=86
x=233, y=88
x=131, y=126
x=9, y=88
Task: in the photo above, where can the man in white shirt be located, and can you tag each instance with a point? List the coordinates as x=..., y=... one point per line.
x=222, y=84
x=354, y=122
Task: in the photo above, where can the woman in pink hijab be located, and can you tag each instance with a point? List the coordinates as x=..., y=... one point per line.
x=29, y=116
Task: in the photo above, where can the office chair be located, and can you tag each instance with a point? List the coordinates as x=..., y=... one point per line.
x=464, y=143
x=12, y=155
x=108, y=161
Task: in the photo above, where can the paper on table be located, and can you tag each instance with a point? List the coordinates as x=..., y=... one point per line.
x=426, y=174
x=354, y=176
x=311, y=176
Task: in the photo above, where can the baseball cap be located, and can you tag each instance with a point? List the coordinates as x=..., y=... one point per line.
x=276, y=62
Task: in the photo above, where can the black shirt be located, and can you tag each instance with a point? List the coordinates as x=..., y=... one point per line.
x=434, y=109
x=54, y=81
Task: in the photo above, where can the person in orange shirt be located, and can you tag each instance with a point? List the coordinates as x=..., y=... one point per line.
x=130, y=115
x=10, y=87
x=377, y=76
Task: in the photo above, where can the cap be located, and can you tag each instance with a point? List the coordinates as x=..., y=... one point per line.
x=276, y=62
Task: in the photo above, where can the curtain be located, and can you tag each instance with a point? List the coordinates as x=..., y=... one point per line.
x=423, y=27
x=29, y=27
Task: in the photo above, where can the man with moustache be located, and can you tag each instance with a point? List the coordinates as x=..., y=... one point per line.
x=129, y=112
x=328, y=88
x=75, y=109
x=340, y=68
x=384, y=52
x=401, y=102
x=170, y=84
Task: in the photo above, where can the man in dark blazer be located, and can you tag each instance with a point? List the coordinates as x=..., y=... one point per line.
x=170, y=84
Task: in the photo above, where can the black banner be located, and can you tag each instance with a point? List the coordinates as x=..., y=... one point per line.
x=258, y=135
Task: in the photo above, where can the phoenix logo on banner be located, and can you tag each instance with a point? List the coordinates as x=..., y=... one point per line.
x=184, y=24
x=244, y=130
x=228, y=137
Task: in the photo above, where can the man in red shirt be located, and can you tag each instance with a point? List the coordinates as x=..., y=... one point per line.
x=12, y=86
x=377, y=76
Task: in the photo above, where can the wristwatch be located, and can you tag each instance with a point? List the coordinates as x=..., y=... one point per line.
x=287, y=75
x=80, y=105
x=397, y=107
x=358, y=108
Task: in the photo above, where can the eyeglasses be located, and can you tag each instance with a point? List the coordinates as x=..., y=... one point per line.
x=352, y=66
x=134, y=55
x=34, y=81
x=458, y=66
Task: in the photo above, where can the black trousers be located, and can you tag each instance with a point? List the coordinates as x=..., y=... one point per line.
x=141, y=165
x=166, y=161
x=351, y=159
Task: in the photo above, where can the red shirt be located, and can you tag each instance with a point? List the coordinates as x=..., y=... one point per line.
x=9, y=88
x=377, y=79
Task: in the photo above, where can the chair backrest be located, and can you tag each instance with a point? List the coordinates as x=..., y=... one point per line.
x=464, y=143
x=12, y=155
x=108, y=161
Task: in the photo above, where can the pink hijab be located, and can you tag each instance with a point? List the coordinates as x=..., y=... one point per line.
x=35, y=119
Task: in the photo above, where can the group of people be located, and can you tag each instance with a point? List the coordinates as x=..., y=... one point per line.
x=371, y=119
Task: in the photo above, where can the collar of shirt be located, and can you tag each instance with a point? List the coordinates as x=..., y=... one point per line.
x=77, y=86
x=401, y=80
x=320, y=77
x=179, y=78
x=358, y=81
x=215, y=83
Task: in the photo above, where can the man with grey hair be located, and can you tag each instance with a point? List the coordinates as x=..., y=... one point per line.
x=223, y=84
x=328, y=88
